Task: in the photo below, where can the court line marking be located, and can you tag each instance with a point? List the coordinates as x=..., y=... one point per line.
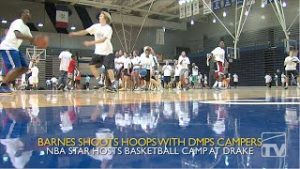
x=250, y=103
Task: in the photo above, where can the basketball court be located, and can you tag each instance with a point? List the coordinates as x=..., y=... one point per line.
x=248, y=126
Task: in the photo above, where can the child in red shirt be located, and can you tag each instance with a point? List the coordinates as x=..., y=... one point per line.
x=71, y=69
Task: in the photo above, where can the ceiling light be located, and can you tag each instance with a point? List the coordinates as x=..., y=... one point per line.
x=192, y=22
x=284, y=4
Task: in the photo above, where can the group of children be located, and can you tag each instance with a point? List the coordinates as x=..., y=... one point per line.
x=133, y=71
x=291, y=73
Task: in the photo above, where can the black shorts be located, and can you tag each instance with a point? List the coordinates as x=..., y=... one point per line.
x=176, y=79
x=106, y=60
x=167, y=79
x=289, y=73
x=147, y=77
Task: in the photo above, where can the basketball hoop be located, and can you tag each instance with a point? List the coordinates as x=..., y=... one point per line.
x=35, y=54
x=231, y=53
x=290, y=44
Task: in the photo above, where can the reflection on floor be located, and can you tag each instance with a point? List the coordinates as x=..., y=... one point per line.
x=243, y=113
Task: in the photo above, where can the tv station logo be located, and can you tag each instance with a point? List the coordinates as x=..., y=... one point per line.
x=273, y=144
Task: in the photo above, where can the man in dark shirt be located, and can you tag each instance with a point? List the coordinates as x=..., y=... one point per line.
x=212, y=67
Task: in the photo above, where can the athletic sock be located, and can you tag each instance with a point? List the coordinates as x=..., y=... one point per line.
x=215, y=84
x=220, y=84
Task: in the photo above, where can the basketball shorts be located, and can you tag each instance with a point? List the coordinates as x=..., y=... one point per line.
x=289, y=73
x=220, y=69
x=12, y=59
x=106, y=60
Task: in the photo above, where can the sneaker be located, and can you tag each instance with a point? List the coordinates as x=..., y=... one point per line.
x=137, y=89
x=101, y=83
x=115, y=85
x=111, y=89
x=217, y=88
x=5, y=89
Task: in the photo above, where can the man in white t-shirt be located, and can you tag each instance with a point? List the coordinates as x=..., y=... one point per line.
x=167, y=69
x=184, y=62
x=103, y=54
x=219, y=57
x=65, y=58
x=235, y=80
x=35, y=76
x=290, y=64
x=13, y=61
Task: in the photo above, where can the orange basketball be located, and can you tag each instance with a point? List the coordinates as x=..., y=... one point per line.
x=41, y=41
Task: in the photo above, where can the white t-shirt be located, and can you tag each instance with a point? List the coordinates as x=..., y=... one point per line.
x=146, y=62
x=126, y=63
x=268, y=78
x=10, y=41
x=219, y=54
x=184, y=62
x=153, y=59
x=53, y=80
x=235, y=78
x=48, y=82
x=136, y=62
x=195, y=71
x=35, y=71
x=291, y=62
x=177, y=70
x=119, y=62
x=65, y=58
x=102, y=31
x=167, y=70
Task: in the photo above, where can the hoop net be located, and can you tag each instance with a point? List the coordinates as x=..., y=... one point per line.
x=231, y=55
x=35, y=54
